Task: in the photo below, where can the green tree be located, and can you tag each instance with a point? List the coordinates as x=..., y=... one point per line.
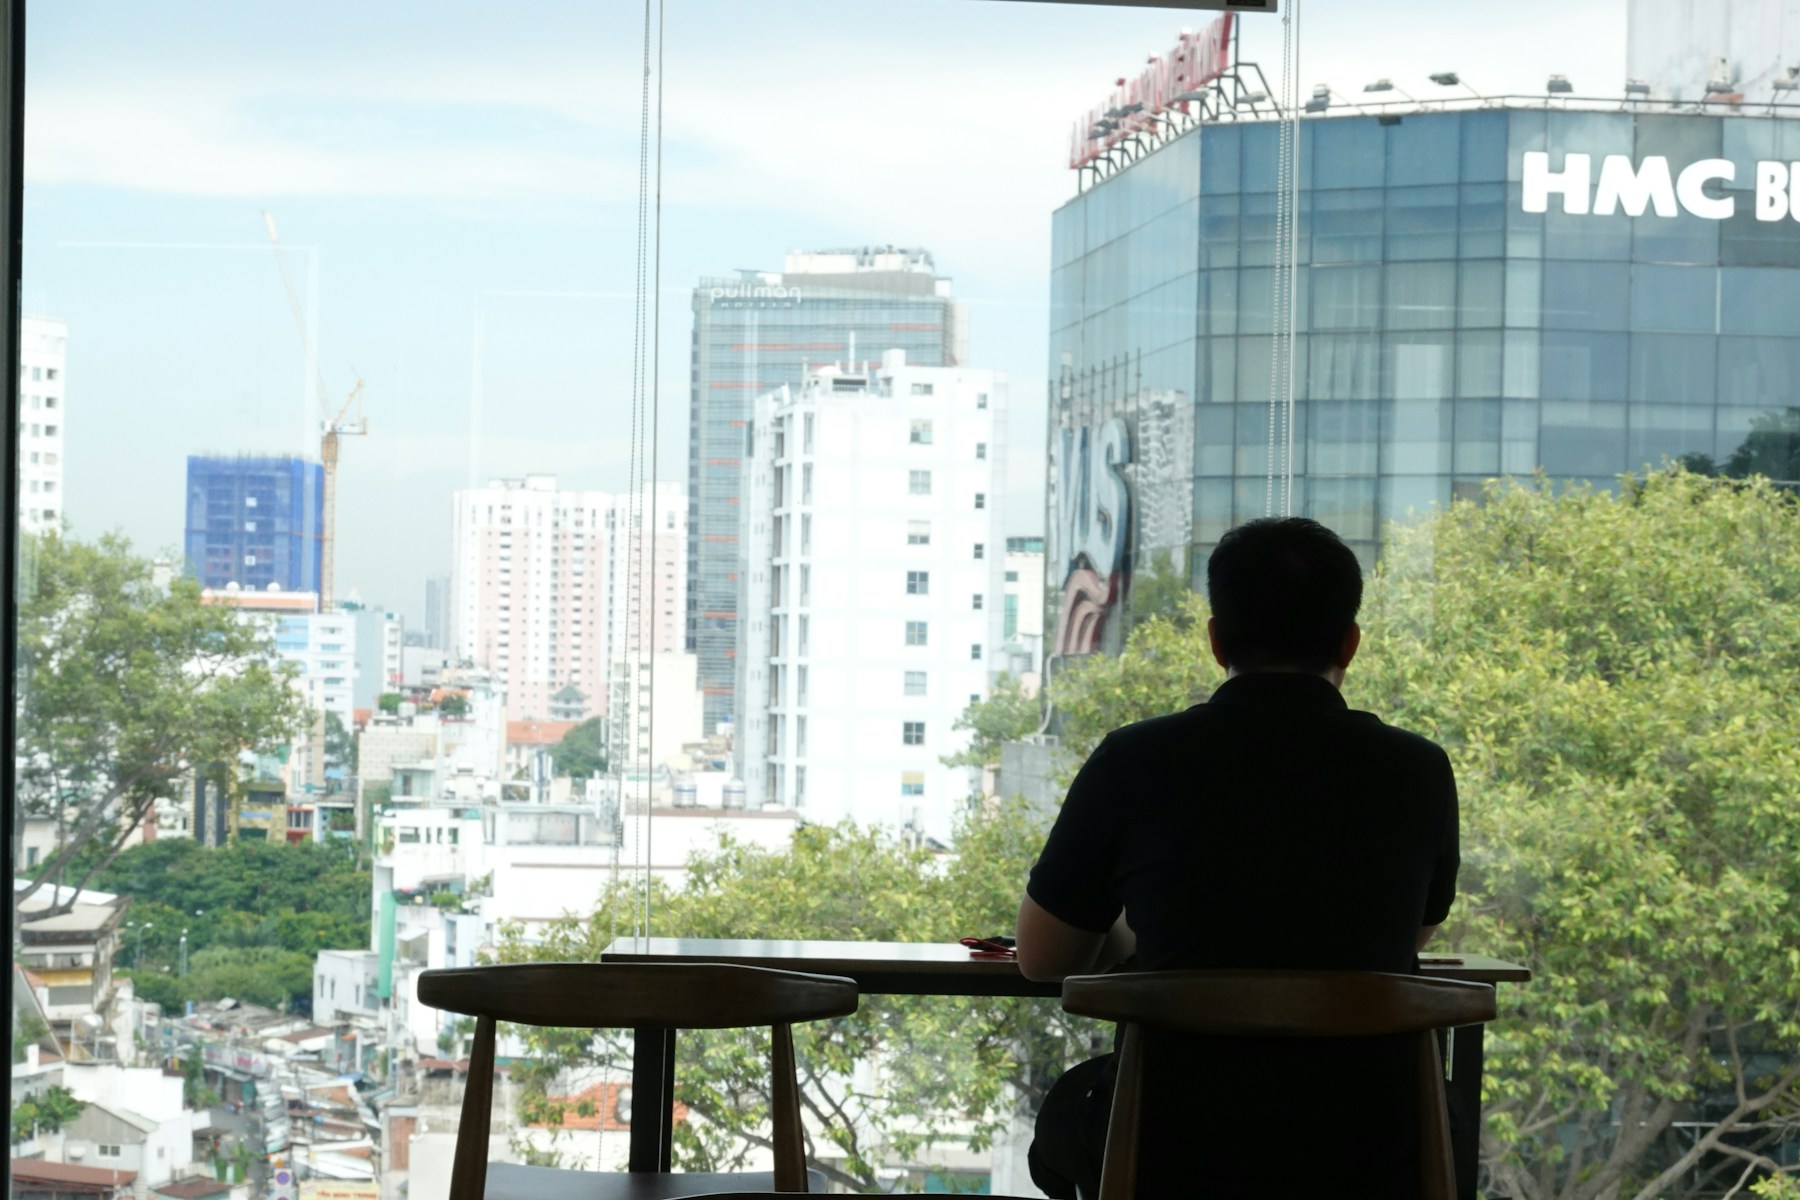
x=1612, y=675
x=340, y=745
x=1005, y=715
x=581, y=752
x=45, y=1112
x=389, y=702
x=263, y=975
x=945, y=1062
x=125, y=685
x=1159, y=588
x=454, y=705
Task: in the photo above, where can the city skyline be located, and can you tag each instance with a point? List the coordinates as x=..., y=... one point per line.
x=460, y=208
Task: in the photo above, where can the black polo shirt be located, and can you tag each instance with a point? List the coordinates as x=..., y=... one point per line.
x=1269, y=827
x=1272, y=826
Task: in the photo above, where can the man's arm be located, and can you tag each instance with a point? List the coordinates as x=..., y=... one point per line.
x=1051, y=949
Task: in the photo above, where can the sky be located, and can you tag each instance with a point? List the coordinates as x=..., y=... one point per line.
x=455, y=185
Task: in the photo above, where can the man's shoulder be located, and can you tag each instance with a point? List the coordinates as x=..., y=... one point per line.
x=1400, y=741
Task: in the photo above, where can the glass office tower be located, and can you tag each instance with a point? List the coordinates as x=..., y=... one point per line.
x=753, y=333
x=1475, y=297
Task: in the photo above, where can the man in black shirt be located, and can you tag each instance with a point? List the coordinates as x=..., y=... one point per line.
x=1273, y=827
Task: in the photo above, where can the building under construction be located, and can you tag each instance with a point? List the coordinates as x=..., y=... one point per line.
x=255, y=521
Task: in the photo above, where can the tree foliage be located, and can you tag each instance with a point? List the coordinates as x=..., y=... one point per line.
x=902, y=1074
x=249, y=908
x=126, y=686
x=45, y=1112
x=581, y=752
x=1007, y=714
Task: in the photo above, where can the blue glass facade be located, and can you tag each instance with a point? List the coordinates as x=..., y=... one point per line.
x=255, y=522
x=1445, y=334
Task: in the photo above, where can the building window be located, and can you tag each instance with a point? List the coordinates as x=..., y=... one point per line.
x=975, y=651
x=912, y=733
x=921, y=432
x=976, y=598
x=806, y=533
x=805, y=633
x=918, y=483
x=806, y=435
x=806, y=484
x=912, y=783
x=915, y=683
x=799, y=787
x=1012, y=577
x=805, y=584
x=981, y=399
x=980, y=550
x=918, y=583
x=923, y=389
x=109, y=1151
x=918, y=533
x=800, y=686
x=915, y=633
x=1012, y=618
x=980, y=449
x=799, y=735
x=980, y=499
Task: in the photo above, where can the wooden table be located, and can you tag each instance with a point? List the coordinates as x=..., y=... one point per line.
x=943, y=969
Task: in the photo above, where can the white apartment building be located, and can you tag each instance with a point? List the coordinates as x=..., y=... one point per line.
x=323, y=647
x=550, y=587
x=43, y=361
x=1022, y=611
x=658, y=528
x=527, y=591
x=871, y=590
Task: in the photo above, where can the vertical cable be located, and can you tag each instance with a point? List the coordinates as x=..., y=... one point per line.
x=1293, y=261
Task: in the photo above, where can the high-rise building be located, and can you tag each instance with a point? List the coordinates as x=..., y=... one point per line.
x=255, y=521
x=1485, y=292
x=437, y=612
x=43, y=421
x=872, y=593
x=1022, y=610
x=527, y=594
x=544, y=592
x=655, y=589
x=761, y=330
x=323, y=648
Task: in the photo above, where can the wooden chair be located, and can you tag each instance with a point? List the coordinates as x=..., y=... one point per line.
x=619, y=995
x=1301, y=1004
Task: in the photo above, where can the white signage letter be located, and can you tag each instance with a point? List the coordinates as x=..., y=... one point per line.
x=1650, y=185
x=1571, y=181
x=1690, y=187
x=1771, y=191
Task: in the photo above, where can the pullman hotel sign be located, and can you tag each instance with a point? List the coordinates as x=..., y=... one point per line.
x=1195, y=61
x=1093, y=513
x=1653, y=186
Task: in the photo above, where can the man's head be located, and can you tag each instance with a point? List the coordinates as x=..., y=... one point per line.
x=1284, y=594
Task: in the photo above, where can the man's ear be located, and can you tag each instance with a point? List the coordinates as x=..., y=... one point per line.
x=1347, y=650
x=1212, y=637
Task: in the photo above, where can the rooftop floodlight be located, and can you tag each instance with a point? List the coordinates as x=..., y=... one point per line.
x=1718, y=77
x=1255, y=98
x=1559, y=85
x=1636, y=87
x=1192, y=97
x=1446, y=79
x=1384, y=84
x=1787, y=81
x=1321, y=99
x=1388, y=119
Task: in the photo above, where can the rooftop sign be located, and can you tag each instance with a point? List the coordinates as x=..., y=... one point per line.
x=1196, y=61
x=1653, y=186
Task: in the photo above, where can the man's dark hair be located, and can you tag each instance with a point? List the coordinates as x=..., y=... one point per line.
x=1284, y=591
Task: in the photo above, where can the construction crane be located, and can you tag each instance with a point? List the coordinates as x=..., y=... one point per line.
x=343, y=424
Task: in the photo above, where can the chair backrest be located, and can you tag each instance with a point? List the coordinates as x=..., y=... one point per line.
x=633, y=995
x=1300, y=1004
